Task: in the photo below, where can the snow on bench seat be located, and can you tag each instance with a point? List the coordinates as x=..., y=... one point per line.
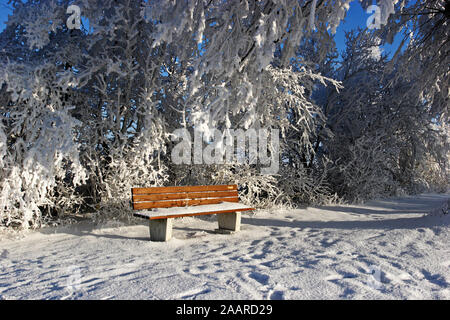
x=176, y=212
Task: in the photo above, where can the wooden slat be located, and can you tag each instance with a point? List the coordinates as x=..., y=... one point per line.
x=191, y=214
x=180, y=203
x=157, y=190
x=183, y=195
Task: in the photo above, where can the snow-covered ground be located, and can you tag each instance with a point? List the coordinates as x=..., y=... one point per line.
x=389, y=249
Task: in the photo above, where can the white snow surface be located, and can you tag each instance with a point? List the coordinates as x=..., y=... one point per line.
x=385, y=249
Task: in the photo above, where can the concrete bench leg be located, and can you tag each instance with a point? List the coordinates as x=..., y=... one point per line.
x=229, y=222
x=161, y=229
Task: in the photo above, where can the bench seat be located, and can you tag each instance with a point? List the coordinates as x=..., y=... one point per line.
x=178, y=212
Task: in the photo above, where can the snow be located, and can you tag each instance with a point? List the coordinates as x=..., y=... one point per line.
x=193, y=209
x=385, y=249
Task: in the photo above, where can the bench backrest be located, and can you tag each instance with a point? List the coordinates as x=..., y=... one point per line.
x=167, y=197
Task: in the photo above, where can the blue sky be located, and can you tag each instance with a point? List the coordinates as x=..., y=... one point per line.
x=355, y=17
x=3, y=13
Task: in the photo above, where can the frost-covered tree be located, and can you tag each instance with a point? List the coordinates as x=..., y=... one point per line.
x=418, y=90
x=237, y=41
x=87, y=113
x=381, y=134
x=79, y=108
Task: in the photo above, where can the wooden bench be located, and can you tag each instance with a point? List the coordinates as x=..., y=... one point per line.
x=167, y=203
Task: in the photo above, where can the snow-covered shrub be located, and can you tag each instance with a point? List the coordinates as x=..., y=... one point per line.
x=362, y=172
x=255, y=189
x=131, y=166
x=38, y=147
x=303, y=185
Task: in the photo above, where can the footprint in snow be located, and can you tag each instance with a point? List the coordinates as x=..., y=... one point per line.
x=436, y=279
x=277, y=295
x=4, y=254
x=260, y=277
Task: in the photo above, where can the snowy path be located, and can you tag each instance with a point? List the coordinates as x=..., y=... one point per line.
x=382, y=250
